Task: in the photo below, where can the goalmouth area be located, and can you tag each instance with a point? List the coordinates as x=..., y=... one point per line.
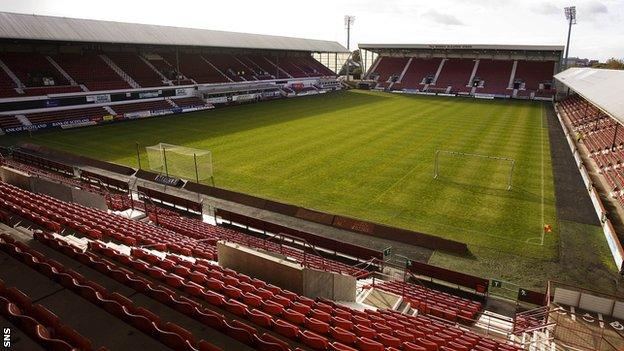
x=371, y=155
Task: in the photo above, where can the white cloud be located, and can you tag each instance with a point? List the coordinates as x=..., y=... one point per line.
x=546, y=8
x=595, y=8
x=443, y=18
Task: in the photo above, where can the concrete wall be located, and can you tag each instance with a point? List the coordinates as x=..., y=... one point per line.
x=317, y=283
x=276, y=270
x=56, y=190
x=344, y=288
x=89, y=199
x=329, y=285
x=269, y=268
x=15, y=177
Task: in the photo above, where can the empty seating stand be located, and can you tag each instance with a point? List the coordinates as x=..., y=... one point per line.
x=135, y=67
x=293, y=67
x=534, y=73
x=193, y=66
x=31, y=68
x=389, y=69
x=267, y=69
x=54, y=89
x=37, y=74
x=230, y=66
x=301, y=66
x=141, y=106
x=7, y=86
x=8, y=121
x=495, y=76
x=598, y=134
x=455, y=74
x=66, y=115
x=417, y=73
x=98, y=224
x=314, y=67
x=91, y=70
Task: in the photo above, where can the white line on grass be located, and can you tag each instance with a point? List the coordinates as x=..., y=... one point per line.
x=542, y=142
x=542, y=233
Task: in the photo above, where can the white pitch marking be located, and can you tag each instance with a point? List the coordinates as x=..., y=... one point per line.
x=542, y=143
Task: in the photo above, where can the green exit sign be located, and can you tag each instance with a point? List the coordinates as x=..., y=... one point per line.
x=386, y=252
x=497, y=284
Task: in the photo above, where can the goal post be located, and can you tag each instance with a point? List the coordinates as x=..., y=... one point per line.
x=180, y=161
x=509, y=161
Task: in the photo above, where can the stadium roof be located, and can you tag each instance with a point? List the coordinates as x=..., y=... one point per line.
x=602, y=87
x=49, y=28
x=462, y=47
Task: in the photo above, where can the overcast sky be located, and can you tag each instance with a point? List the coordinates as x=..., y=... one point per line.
x=598, y=34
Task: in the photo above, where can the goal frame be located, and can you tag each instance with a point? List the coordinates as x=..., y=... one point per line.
x=457, y=153
x=163, y=151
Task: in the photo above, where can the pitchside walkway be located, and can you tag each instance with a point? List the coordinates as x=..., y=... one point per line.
x=572, y=200
x=576, y=215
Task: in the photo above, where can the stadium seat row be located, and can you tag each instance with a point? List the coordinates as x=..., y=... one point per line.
x=116, y=304
x=433, y=302
x=285, y=312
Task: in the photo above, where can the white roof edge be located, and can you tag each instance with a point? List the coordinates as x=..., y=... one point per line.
x=51, y=28
x=603, y=88
x=465, y=47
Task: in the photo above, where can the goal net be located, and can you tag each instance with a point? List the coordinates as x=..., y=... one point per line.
x=180, y=161
x=474, y=169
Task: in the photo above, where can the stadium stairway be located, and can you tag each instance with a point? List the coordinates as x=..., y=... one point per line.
x=125, y=76
x=98, y=316
x=92, y=71
x=429, y=301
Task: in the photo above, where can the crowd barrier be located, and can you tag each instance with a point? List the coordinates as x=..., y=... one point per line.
x=109, y=182
x=356, y=225
x=32, y=159
x=480, y=285
x=533, y=297
x=352, y=250
x=176, y=201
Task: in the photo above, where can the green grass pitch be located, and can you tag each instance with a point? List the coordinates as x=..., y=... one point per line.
x=370, y=155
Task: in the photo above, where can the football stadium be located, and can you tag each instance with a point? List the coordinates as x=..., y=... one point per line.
x=172, y=188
